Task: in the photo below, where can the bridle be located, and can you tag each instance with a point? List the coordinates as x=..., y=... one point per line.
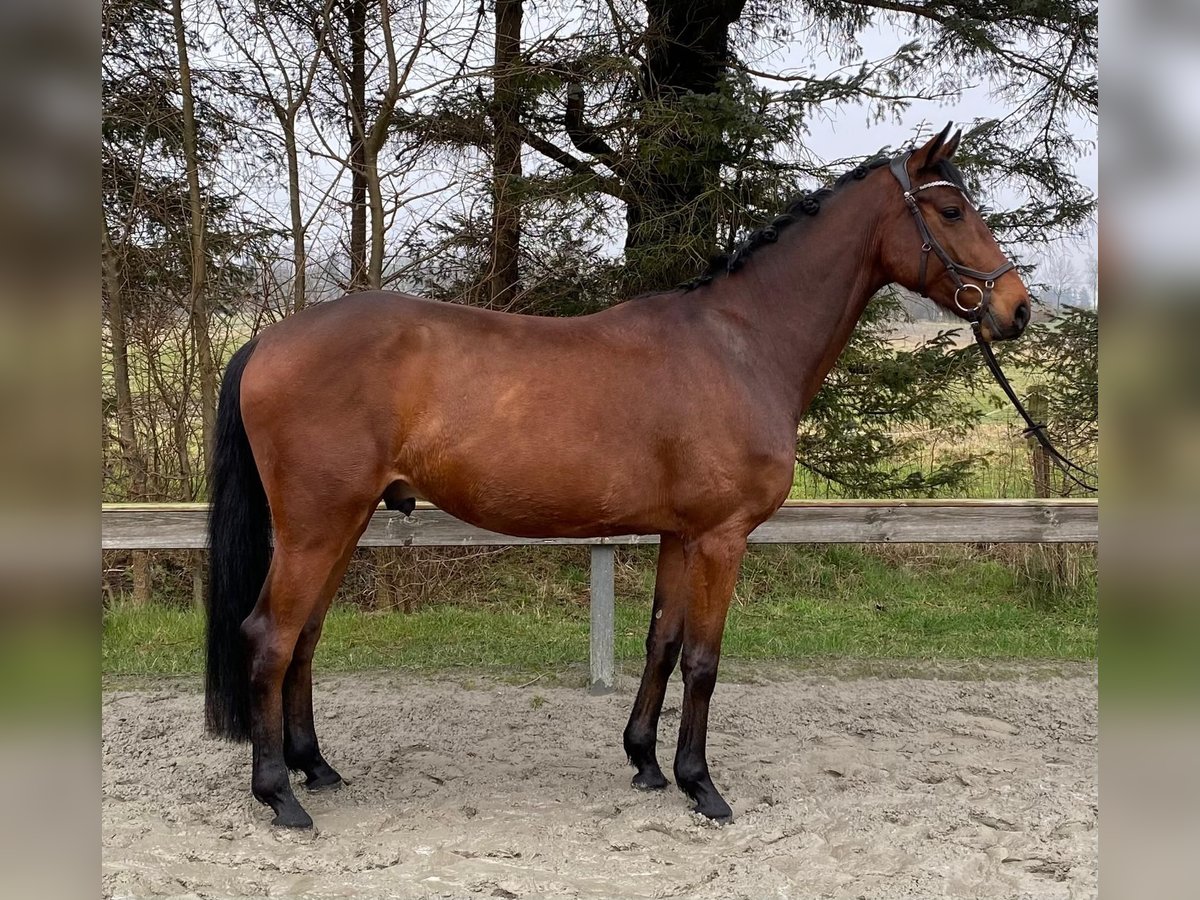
x=977, y=313
x=956, y=270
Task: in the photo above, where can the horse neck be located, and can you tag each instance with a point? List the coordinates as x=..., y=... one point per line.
x=796, y=303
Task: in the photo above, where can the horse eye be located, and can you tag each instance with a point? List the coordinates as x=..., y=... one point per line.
x=952, y=212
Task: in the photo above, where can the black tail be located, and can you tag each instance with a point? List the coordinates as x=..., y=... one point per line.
x=239, y=543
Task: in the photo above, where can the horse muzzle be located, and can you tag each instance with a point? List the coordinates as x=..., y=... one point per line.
x=992, y=324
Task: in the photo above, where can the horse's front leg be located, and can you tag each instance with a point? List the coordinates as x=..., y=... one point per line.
x=662, y=652
x=711, y=561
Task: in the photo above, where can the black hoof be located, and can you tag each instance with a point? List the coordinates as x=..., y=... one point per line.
x=709, y=802
x=717, y=811
x=288, y=811
x=293, y=818
x=650, y=778
x=322, y=777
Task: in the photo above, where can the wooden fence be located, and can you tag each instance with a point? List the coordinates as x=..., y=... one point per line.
x=170, y=526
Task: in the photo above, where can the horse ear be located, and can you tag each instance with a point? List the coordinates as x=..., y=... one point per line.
x=933, y=150
x=951, y=146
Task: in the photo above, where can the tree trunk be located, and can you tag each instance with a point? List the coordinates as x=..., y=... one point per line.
x=503, y=275
x=671, y=228
x=372, y=138
x=199, y=313
x=299, y=253
x=356, y=20
x=374, y=279
x=131, y=457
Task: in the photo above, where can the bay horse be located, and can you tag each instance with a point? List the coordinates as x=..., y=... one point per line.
x=672, y=414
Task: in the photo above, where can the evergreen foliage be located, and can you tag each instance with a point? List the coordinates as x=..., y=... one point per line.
x=1061, y=360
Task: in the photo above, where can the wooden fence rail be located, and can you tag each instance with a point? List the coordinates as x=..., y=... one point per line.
x=170, y=526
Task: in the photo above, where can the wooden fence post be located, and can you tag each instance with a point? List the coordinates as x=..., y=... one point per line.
x=143, y=578
x=603, y=603
x=1037, y=405
x=196, y=561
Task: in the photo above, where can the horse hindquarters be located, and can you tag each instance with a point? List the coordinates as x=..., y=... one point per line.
x=265, y=621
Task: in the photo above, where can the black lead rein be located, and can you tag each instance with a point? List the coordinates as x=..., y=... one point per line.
x=1035, y=429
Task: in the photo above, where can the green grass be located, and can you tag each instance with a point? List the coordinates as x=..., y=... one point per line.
x=793, y=604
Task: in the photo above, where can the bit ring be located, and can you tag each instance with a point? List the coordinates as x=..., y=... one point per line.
x=969, y=309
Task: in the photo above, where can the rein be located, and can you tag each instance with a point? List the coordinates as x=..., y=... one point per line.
x=1037, y=430
x=976, y=314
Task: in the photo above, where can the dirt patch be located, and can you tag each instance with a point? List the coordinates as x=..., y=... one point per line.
x=879, y=787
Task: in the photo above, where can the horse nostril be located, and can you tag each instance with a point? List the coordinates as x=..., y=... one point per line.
x=1021, y=315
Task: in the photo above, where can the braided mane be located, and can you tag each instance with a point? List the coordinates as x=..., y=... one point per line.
x=806, y=204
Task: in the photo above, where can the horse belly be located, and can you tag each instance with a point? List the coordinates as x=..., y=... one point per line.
x=543, y=485
x=551, y=503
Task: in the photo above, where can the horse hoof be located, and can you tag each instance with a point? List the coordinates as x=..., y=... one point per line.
x=709, y=802
x=652, y=780
x=326, y=781
x=716, y=810
x=292, y=816
x=288, y=811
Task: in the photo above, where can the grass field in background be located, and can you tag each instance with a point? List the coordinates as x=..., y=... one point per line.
x=527, y=613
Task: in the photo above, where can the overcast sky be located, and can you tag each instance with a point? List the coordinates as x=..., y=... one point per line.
x=846, y=131
x=849, y=132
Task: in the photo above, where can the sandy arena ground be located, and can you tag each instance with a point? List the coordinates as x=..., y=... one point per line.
x=973, y=784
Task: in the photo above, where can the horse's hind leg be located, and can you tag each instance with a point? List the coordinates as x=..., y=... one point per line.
x=301, y=751
x=662, y=652
x=299, y=584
